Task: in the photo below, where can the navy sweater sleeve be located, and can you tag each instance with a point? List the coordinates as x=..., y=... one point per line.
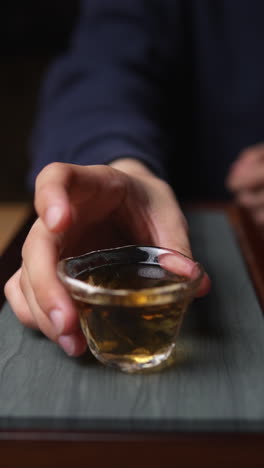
x=105, y=98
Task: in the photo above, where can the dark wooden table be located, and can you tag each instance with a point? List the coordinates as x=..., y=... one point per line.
x=88, y=448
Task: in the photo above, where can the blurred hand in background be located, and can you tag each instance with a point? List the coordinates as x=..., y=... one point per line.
x=246, y=181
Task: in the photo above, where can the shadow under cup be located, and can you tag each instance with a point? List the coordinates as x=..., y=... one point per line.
x=131, y=302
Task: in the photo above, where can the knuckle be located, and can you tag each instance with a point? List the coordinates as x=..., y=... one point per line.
x=118, y=182
x=111, y=173
x=25, y=317
x=22, y=312
x=52, y=170
x=8, y=288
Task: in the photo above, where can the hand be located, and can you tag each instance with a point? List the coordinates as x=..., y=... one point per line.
x=246, y=181
x=82, y=208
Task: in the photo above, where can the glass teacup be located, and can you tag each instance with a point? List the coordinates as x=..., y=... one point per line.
x=131, y=302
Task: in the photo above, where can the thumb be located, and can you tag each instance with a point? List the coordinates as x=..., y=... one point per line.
x=169, y=229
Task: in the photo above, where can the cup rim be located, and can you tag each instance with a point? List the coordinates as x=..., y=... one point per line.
x=79, y=288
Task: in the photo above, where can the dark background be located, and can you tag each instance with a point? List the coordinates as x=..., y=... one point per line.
x=31, y=35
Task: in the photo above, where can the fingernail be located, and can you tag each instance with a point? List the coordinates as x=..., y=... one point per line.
x=53, y=216
x=57, y=319
x=67, y=343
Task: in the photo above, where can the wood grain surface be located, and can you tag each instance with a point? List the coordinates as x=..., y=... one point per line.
x=45, y=397
x=216, y=385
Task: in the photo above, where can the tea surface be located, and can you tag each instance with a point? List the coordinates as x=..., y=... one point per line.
x=130, y=276
x=131, y=336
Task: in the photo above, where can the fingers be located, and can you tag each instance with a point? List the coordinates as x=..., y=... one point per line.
x=62, y=188
x=72, y=343
x=169, y=229
x=183, y=266
x=246, y=180
x=248, y=170
x=252, y=153
x=252, y=199
x=18, y=302
x=41, y=319
x=38, y=298
x=21, y=298
x=40, y=256
x=147, y=207
x=253, y=202
x=246, y=177
x=157, y=218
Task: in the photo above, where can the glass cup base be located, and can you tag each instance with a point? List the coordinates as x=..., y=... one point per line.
x=139, y=361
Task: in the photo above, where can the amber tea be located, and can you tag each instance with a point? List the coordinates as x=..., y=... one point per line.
x=135, y=335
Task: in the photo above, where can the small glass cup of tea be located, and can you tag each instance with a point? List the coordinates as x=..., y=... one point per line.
x=131, y=302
